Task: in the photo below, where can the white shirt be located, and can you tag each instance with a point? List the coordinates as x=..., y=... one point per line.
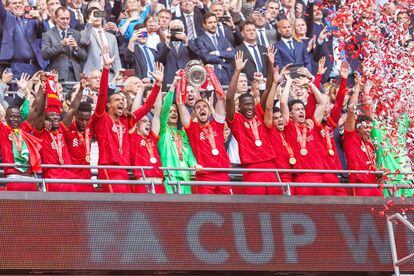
x=263, y=31
x=153, y=40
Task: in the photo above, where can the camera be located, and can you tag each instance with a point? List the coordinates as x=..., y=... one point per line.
x=98, y=14
x=69, y=34
x=225, y=18
x=293, y=70
x=262, y=10
x=174, y=33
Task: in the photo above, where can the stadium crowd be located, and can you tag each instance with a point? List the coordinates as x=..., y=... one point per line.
x=281, y=92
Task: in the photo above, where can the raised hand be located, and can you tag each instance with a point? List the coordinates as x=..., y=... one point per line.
x=321, y=66
x=158, y=73
x=23, y=82
x=302, y=81
x=344, y=71
x=238, y=61
x=108, y=60
x=271, y=52
x=303, y=71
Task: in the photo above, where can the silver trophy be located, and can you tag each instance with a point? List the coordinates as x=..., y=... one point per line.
x=196, y=73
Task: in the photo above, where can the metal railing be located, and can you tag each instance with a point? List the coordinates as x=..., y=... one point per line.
x=178, y=183
x=398, y=262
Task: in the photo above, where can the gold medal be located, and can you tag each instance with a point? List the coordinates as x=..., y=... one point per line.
x=258, y=143
x=87, y=158
x=215, y=152
x=120, y=150
x=61, y=161
x=292, y=160
x=303, y=151
x=153, y=160
x=331, y=152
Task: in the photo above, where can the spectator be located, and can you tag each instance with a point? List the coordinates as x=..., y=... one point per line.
x=95, y=39
x=50, y=21
x=215, y=51
x=256, y=55
x=272, y=12
x=135, y=16
x=61, y=46
x=164, y=18
x=139, y=55
x=191, y=16
x=318, y=23
x=153, y=32
x=177, y=53
x=42, y=8
x=229, y=11
x=20, y=45
x=226, y=28
x=266, y=34
x=291, y=9
x=76, y=14
x=289, y=50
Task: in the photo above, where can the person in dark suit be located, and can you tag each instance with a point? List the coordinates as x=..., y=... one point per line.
x=255, y=54
x=76, y=14
x=138, y=55
x=175, y=52
x=191, y=16
x=20, y=44
x=266, y=33
x=290, y=50
x=61, y=46
x=226, y=28
x=218, y=52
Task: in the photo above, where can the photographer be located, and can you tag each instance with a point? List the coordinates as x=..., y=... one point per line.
x=61, y=46
x=95, y=39
x=176, y=51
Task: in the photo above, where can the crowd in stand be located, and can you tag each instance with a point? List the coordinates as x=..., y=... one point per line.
x=293, y=97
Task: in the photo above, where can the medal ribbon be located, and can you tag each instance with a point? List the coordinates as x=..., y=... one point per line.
x=118, y=131
x=85, y=139
x=328, y=138
x=286, y=145
x=370, y=154
x=149, y=146
x=59, y=145
x=254, y=126
x=209, y=134
x=302, y=137
x=178, y=143
x=18, y=141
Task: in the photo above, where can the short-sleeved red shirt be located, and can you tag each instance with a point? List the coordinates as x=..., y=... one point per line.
x=50, y=155
x=76, y=143
x=357, y=157
x=312, y=159
x=140, y=156
x=282, y=156
x=248, y=150
x=202, y=149
x=330, y=162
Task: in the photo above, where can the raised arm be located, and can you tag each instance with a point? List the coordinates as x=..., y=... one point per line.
x=271, y=51
x=321, y=103
x=36, y=117
x=138, y=97
x=155, y=124
x=185, y=115
x=340, y=96
x=158, y=75
x=166, y=106
x=67, y=120
x=284, y=108
x=230, y=105
x=103, y=86
x=349, y=124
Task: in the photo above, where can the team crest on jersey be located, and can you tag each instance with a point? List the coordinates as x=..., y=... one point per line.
x=115, y=128
x=75, y=142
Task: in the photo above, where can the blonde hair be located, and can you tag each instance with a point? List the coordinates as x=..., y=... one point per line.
x=295, y=36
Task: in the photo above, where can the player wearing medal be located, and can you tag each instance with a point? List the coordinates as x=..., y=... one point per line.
x=326, y=127
x=173, y=145
x=248, y=128
x=111, y=127
x=144, y=152
x=20, y=148
x=302, y=134
x=273, y=119
x=54, y=149
x=358, y=148
x=207, y=141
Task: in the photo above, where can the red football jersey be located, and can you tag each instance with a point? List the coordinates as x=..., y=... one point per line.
x=281, y=146
x=253, y=147
x=142, y=155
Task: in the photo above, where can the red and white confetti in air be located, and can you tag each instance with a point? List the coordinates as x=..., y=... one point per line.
x=379, y=36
